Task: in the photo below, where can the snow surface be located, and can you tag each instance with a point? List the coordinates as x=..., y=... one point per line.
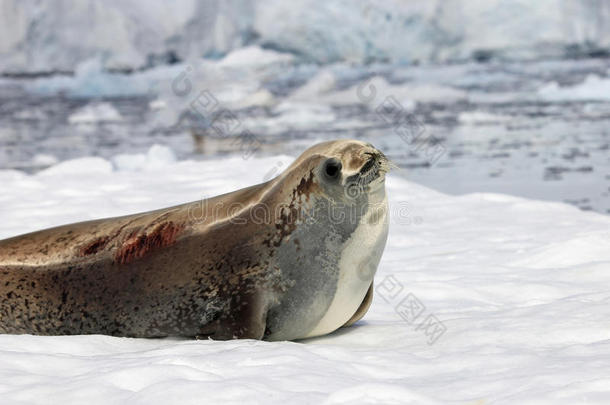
x=519, y=286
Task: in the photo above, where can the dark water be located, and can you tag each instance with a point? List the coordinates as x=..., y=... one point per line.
x=499, y=137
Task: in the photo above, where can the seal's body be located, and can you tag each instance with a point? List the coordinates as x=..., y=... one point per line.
x=290, y=258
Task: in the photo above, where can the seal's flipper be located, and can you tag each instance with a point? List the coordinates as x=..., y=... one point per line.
x=246, y=319
x=366, y=303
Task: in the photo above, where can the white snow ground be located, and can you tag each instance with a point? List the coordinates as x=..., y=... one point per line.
x=521, y=289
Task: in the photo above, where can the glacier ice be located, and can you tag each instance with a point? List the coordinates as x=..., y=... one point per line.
x=135, y=34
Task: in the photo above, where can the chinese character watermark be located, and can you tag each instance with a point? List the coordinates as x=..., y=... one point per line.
x=410, y=309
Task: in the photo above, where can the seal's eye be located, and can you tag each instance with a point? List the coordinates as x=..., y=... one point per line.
x=332, y=168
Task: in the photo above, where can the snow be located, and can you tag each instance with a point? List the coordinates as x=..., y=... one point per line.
x=44, y=159
x=322, y=82
x=260, y=98
x=156, y=157
x=481, y=118
x=94, y=113
x=91, y=80
x=592, y=88
x=87, y=165
x=519, y=287
x=254, y=55
x=377, y=87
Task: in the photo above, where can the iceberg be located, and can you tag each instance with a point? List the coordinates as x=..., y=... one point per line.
x=129, y=35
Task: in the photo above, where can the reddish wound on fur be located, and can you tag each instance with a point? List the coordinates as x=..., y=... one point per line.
x=305, y=187
x=94, y=246
x=139, y=245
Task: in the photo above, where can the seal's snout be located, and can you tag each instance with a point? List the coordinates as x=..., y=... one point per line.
x=376, y=165
x=373, y=160
x=372, y=165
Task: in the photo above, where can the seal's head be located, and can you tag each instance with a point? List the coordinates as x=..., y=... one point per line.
x=333, y=229
x=344, y=170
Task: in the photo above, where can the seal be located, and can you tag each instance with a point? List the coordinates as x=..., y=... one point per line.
x=287, y=259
